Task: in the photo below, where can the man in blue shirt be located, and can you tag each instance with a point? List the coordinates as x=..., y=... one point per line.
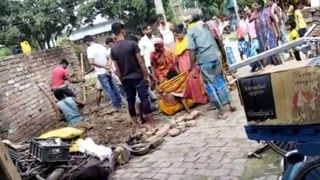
x=204, y=51
x=69, y=106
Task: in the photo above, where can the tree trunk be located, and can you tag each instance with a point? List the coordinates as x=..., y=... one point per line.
x=41, y=44
x=48, y=43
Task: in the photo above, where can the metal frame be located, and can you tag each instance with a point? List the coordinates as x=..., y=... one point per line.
x=279, y=49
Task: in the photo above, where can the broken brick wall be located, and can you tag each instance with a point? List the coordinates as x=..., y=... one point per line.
x=25, y=109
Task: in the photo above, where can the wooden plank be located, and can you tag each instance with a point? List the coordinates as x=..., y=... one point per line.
x=7, y=170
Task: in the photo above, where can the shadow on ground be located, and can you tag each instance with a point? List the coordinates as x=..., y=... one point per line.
x=263, y=169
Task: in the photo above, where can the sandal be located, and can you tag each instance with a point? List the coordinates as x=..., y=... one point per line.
x=232, y=109
x=222, y=116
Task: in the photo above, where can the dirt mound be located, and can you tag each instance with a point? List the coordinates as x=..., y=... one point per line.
x=107, y=128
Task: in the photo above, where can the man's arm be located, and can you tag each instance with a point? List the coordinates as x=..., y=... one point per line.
x=68, y=78
x=78, y=102
x=92, y=63
x=141, y=61
x=192, y=54
x=192, y=49
x=142, y=65
x=71, y=80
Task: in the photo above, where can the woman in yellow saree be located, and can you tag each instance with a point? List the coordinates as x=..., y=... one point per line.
x=171, y=86
x=176, y=91
x=171, y=93
x=194, y=83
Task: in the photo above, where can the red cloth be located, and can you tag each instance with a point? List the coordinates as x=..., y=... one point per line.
x=59, y=75
x=194, y=89
x=162, y=63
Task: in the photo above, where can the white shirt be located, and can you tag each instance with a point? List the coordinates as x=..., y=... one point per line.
x=167, y=34
x=146, y=47
x=99, y=54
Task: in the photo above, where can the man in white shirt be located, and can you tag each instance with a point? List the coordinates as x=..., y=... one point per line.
x=98, y=58
x=165, y=29
x=146, y=46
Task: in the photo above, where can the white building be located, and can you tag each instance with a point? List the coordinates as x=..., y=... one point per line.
x=100, y=27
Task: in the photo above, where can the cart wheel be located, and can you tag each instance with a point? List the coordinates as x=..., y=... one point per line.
x=310, y=170
x=282, y=147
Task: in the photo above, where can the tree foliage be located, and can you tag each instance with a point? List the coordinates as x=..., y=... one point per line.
x=36, y=20
x=132, y=12
x=40, y=20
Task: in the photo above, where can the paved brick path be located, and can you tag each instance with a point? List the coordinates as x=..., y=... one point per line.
x=214, y=149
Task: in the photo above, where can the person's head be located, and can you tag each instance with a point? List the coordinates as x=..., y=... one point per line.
x=64, y=63
x=147, y=30
x=158, y=45
x=59, y=94
x=247, y=11
x=161, y=19
x=109, y=41
x=292, y=25
x=132, y=37
x=88, y=40
x=119, y=29
x=298, y=5
x=171, y=74
x=241, y=14
x=179, y=31
x=256, y=6
x=270, y=3
x=196, y=18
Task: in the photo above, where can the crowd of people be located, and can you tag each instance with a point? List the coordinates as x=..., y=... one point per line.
x=178, y=66
x=265, y=26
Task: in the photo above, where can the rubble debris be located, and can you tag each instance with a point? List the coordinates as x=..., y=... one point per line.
x=140, y=149
x=192, y=115
x=163, y=131
x=174, y=132
x=191, y=123
x=18, y=147
x=155, y=141
x=122, y=154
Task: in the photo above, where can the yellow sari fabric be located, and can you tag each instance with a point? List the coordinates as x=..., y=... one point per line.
x=172, y=108
x=176, y=87
x=181, y=46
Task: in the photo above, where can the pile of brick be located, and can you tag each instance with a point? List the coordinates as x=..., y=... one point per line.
x=311, y=15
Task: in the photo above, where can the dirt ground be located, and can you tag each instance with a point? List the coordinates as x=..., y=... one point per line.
x=111, y=128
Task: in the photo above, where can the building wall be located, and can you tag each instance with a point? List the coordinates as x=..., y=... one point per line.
x=25, y=110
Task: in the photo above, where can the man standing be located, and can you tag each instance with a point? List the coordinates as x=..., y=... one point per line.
x=133, y=73
x=165, y=29
x=98, y=57
x=58, y=77
x=205, y=52
x=146, y=45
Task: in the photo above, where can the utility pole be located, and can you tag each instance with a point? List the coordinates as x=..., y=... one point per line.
x=236, y=8
x=159, y=7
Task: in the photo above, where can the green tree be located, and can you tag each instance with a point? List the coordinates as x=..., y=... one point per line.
x=36, y=20
x=245, y=3
x=133, y=12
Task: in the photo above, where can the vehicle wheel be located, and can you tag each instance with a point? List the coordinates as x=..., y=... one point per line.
x=310, y=170
x=282, y=147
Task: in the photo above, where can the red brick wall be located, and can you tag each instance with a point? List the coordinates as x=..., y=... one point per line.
x=25, y=111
